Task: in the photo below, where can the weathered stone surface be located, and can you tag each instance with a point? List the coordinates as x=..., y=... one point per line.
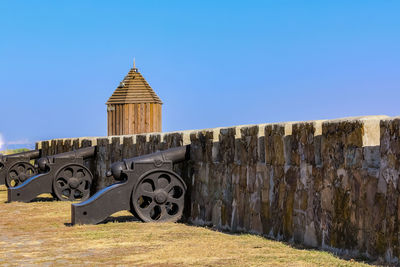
x=201, y=159
x=327, y=184
x=342, y=142
x=304, y=171
x=142, y=146
x=387, y=200
x=102, y=163
x=129, y=147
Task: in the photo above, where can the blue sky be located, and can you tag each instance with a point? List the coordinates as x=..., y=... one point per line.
x=213, y=63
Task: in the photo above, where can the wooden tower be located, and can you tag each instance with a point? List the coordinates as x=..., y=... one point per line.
x=134, y=107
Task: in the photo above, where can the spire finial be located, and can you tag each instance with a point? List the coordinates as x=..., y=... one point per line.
x=134, y=66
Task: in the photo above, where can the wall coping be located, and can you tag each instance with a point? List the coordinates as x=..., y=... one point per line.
x=371, y=134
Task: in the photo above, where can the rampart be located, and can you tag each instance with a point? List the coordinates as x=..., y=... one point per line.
x=327, y=184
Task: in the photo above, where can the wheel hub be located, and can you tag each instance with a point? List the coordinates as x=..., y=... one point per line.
x=73, y=183
x=161, y=197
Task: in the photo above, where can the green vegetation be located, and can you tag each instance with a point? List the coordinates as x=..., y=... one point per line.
x=38, y=233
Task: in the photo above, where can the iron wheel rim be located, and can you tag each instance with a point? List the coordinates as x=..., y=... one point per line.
x=19, y=172
x=72, y=183
x=159, y=196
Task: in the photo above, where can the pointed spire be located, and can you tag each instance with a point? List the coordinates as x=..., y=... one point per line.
x=134, y=66
x=133, y=89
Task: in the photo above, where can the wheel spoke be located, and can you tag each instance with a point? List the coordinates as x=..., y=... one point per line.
x=62, y=183
x=173, y=183
x=148, y=194
x=162, y=181
x=164, y=214
x=146, y=187
x=79, y=172
x=82, y=186
x=148, y=208
x=153, y=178
x=74, y=196
x=85, y=192
x=71, y=196
x=176, y=192
x=85, y=180
x=178, y=201
x=67, y=173
x=64, y=187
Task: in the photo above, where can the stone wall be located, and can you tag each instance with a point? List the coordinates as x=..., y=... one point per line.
x=327, y=184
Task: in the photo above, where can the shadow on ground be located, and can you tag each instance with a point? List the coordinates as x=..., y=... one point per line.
x=114, y=219
x=360, y=259
x=44, y=199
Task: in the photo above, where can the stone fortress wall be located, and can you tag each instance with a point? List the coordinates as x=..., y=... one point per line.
x=329, y=184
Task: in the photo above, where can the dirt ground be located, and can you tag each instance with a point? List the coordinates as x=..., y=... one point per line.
x=39, y=234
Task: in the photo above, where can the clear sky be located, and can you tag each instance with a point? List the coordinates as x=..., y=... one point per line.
x=213, y=63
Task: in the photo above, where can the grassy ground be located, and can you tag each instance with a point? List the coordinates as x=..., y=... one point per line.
x=38, y=234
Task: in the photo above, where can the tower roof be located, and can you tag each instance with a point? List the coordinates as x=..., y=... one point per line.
x=133, y=89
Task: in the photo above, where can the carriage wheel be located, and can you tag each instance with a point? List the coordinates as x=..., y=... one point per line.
x=159, y=197
x=19, y=173
x=72, y=183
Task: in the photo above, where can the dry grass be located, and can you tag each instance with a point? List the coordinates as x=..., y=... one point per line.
x=38, y=234
x=13, y=151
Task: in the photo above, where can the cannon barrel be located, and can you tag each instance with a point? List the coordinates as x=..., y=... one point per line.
x=174, y=155
x=32, y=154
x=80, y=153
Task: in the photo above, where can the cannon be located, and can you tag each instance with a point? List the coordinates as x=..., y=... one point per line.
x=63, y=175
x=147, y=187
x=16, y=168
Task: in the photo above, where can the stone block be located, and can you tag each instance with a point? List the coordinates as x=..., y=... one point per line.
x=328, y=184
